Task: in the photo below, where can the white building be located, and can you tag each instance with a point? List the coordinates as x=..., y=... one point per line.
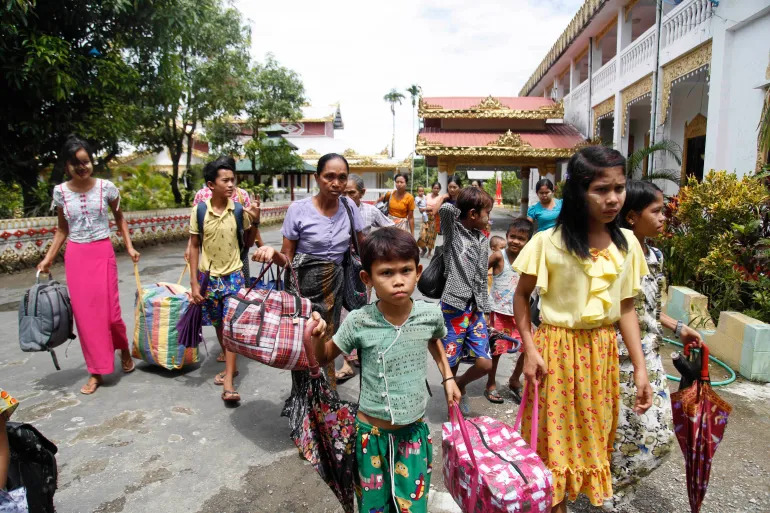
x=698, y=70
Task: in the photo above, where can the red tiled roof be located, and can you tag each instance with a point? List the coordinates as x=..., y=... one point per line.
x=466, y=102
x=554, y=136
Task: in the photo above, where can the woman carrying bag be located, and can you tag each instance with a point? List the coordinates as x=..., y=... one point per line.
x=83, y=205
x=316, y=239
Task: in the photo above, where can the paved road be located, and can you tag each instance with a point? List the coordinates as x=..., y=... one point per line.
x=163, y=441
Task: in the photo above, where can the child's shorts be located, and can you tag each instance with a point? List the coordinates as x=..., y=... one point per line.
x=466, y=329
x=394, y=467
x=505, y=324
x=219, y=288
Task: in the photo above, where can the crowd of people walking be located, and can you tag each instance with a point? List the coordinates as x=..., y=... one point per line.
x=575, y=291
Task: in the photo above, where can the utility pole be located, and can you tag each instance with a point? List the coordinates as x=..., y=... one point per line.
x=654, y=99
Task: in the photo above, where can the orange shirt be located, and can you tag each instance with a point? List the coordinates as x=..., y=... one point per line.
x=401, y=208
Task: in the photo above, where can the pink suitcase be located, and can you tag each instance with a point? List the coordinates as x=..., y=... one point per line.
x=500, y=473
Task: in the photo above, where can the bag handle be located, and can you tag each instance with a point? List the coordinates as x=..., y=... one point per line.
x=535, y=415
x=185, y=270
x=139, y=289
x=37, y=276
x=456, y=417
x=312, y=362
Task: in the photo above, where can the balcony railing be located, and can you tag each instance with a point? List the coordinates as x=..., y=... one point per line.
x=604, y=80
x=639, y=53
x=576, y=108
x=684, y=19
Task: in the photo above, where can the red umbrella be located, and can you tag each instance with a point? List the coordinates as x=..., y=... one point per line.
x=700, y=418
x=324, y=427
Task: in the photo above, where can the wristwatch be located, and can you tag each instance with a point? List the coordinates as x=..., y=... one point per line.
x=678, y=331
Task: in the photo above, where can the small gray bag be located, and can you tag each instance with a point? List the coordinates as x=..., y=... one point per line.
x=45, y=317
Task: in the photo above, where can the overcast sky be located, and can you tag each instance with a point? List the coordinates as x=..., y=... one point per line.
x=354, y=52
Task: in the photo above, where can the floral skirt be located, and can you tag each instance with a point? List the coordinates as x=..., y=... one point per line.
x=642, y=442
x=578, y=410
x=427, y=238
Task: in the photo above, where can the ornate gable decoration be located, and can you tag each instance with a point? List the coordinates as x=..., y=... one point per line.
x=509, y=140
x=311, y=152
x=349, y=153
x=489, y=103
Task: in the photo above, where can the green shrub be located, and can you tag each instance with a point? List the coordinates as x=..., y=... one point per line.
x=11, y=201
x=511, y=188
x=717, y=242
x=145, y=189
x=257, y=190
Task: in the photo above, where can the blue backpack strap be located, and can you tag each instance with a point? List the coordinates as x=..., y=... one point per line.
x=200, y=214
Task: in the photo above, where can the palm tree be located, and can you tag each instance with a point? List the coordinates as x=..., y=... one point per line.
x=393, y=97
x=414, y=90
x=637, y=158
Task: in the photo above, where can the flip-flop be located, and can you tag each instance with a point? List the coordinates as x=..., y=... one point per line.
x=90, y=387
x=219, y=379
x=230, y=396
x=127, y=369
x=343, y=376
x=221, y=357
x=493, y=396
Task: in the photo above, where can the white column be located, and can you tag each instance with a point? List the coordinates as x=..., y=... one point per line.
x=574, y=78
x=275, y=182
x=717, y=149
x=597, y=56
x=442, y=179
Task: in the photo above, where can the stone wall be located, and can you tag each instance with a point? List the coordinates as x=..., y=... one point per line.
x=24, y=242
x=740, y=341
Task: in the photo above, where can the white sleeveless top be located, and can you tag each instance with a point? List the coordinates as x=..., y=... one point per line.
x=87, y=213
x=503, y=287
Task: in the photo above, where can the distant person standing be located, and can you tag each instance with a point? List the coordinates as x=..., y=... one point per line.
x=545, y=212
x=401, y=204
x=429, y=229
x=83, y=206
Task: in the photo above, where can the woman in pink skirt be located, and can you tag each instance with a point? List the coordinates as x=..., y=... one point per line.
x=84, y=203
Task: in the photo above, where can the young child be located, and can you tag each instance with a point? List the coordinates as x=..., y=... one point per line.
x=393, y=336
x=589, y=271
x=496, y=243
x=421, y=202
x=220, y=255
x=641, y=443
x=7, y=405
x=504, y=282
x=465, y=299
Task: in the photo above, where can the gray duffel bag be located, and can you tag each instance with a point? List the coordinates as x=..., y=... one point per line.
x=45, y=317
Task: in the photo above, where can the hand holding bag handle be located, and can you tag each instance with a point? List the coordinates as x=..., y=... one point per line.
x=456, y=418
x=535, y=415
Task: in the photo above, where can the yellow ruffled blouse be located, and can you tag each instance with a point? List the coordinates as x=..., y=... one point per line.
x=577, y=293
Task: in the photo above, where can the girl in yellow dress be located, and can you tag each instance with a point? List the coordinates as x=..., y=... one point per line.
x=589, y=271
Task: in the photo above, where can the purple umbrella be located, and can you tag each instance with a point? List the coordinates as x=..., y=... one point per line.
x=190, y=326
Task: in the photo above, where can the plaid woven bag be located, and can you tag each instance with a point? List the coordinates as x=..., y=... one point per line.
x=267, y=325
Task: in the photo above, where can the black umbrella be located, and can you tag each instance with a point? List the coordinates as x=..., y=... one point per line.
x=323, y=427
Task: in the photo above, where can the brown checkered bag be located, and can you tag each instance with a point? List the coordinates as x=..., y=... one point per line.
x=267, y=325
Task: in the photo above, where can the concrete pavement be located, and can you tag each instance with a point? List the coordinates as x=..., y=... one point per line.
x=160, y=441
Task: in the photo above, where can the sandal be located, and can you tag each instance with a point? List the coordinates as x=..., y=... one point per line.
x=230, y=396
x=493, y=396
x=129, y=366
x=219, y=379
x=221, y=357
x=90, y=387
x=343, y=376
